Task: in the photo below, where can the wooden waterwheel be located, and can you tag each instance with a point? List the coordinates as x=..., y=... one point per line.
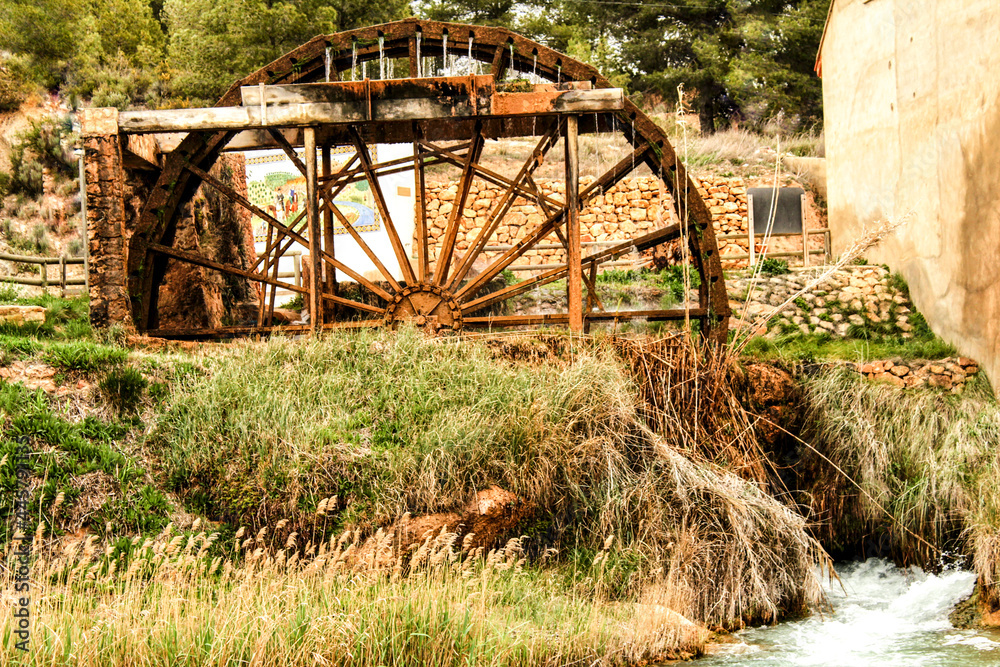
x=463, y=88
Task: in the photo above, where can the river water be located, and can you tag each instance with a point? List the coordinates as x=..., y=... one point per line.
x=881, y=615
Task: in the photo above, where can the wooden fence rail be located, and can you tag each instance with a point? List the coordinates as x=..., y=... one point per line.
x=43, y=273
x=760, y=244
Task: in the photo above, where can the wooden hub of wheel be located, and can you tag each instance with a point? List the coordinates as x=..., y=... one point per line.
x=426, y=306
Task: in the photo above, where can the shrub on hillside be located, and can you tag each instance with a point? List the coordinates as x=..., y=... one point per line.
x=48, y=143
x=13, y=85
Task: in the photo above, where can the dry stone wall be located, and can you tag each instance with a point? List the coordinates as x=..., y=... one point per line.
x=949, y=374
x=632, y=208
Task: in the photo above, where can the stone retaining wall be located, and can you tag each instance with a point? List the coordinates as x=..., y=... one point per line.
x=853, y=302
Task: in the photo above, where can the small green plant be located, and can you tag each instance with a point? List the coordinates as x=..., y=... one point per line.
x=897, y=282
x=123, y=388
x=295, y=303
x=9, y=293
x=159, y=391
x=774, y=267
x=18, y=347
x=83, y=355
x=801, y=303
x=619, y=276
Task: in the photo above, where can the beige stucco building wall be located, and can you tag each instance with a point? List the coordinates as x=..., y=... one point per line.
x=911, y=90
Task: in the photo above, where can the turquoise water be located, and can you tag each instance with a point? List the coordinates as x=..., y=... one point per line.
x=881, y=615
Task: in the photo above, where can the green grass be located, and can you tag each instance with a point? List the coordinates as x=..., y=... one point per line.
x=798, y=347
x=81, y=355
x=774, y=267
x=66, y=453
x=123, y=388
x=65, y=319
x=618, y=284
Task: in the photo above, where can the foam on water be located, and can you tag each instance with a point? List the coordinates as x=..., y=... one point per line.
x=881, y=615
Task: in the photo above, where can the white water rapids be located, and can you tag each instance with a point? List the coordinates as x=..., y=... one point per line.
x=881, y=615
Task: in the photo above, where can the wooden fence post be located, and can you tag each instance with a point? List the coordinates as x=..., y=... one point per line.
x=805, y=234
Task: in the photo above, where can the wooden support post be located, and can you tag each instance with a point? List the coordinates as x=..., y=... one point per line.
x=84, y=236
x=297, y=268
x=331, y=274
x=575, y=270
x=62, y=276
x=419, y=207
x=315, y=238
x=750, y=223
x=44, y=275
x=262, y=306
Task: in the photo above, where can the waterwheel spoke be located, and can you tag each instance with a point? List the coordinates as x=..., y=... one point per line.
x=397, y=245
x=498, y=68
x=289, y=150
x=548, y=140
x=200, y=260
x=491, y=176
x=298, y=238
x=263, y=295
x=361, y=244
x=514, y=290
x=606, y=180
x=447, y=247
x=588, y=279
x=508, y=257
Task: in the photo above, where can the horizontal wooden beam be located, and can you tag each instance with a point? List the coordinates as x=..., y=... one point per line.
x=201, y=260
x=235, y=331
x=563, y=318
x=351, y=102
x=31, y=259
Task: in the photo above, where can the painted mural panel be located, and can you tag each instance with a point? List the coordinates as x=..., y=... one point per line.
x=276, y=186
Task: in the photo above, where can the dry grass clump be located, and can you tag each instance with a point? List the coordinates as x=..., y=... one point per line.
x=734, y=145
x=737, y=555
x=689, y=395
x=919, y=466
